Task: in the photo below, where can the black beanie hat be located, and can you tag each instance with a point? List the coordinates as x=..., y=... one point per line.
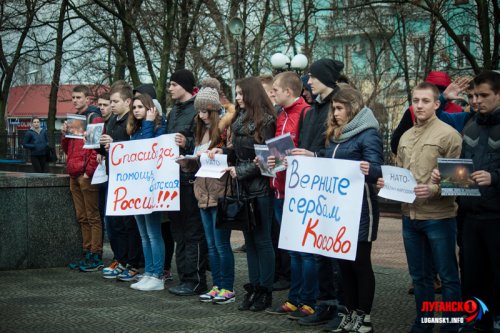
x=184, y=78
x=146, y=89
x=327, y=71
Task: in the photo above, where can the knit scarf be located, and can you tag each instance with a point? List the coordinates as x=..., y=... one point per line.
x=361, y=122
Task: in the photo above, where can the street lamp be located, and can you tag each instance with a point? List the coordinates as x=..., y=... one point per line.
x=281, y=62
x=236, y=27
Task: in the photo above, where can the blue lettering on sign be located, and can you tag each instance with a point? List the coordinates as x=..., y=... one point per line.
x=319, y=207
x=320, y=183
x=163, y=185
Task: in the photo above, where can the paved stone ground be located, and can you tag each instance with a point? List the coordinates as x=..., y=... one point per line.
x=60, y=300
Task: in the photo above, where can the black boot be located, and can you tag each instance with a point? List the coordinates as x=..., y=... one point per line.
x=263, y=299
x=249, y=297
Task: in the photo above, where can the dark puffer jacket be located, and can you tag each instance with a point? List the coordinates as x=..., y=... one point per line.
x=312, y=129
x=364, y=146
x=36, y=142
x=242, y=154
x=481, y=143
x=181, y=120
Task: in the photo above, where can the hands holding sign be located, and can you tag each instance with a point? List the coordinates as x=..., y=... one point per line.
x=214, y=151
x=397, y=184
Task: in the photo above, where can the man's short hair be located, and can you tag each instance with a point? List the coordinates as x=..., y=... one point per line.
x=123, y=88
x=105, y=95
x=82, y=89
x=266, y=79
x=489, y=77
x=289, y=80
x=428, y=86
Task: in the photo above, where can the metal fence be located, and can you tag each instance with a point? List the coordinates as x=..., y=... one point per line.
x=11, y=148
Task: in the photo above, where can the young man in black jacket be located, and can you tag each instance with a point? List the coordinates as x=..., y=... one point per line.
x=187, y=229
x=122, y=231
x=481, y=230
x=323, y=76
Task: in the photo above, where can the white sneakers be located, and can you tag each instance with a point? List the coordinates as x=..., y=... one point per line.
x=148, y=283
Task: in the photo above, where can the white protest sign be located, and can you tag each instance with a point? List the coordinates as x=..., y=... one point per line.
x=100, y=175
x=399, y=184
x=212, y=168
x=143, y=176
x=322, y=208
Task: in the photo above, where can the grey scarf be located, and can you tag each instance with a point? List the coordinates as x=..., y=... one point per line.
x=361, y=122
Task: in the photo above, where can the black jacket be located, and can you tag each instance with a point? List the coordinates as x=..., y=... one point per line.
x=182, y=120
x=481, y=143
x=313, y=127
x=117, y=129
x=242, y=154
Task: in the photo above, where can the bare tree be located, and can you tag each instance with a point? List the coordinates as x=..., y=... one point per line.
x=16, y=20
x=56, y=76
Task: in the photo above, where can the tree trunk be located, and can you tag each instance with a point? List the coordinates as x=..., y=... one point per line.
x=8, y=70
x=168, y=35
x=259, y=38
x=54, y=87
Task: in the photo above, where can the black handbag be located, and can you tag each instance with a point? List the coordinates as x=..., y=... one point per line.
x=235, y=212
x=51, y=154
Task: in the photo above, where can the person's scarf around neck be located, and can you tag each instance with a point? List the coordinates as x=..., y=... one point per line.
x=364, y=120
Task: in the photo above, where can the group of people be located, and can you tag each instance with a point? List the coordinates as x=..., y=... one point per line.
x=325, y=117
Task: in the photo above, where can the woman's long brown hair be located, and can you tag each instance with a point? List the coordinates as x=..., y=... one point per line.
x=353, y=103
x=213, y=129
x=133, y=124
x=257, y=104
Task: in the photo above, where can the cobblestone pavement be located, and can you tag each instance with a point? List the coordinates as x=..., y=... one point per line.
x=60, y=300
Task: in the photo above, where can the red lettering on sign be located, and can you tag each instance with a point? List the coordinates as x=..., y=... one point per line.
x=326, y=242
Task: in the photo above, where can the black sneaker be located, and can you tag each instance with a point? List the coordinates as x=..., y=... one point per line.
x=322, y=315
x=360, y=322
x=187, y=289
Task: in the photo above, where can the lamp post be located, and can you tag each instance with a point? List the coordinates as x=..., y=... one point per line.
x=236, y=27
x=282, y=62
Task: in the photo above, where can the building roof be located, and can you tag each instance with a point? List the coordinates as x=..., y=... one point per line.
x=33, y=100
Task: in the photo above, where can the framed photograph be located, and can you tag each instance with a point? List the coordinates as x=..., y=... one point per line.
x=455, y=177
x=76, y=126
x=280, y=147
x=262, y=153
x=93, y=135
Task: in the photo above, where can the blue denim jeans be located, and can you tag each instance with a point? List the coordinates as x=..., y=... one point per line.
x=304, y=279
x=152, y=243
x=220, y=254
x=426, y=241
x=278, y=209
x=260, y=251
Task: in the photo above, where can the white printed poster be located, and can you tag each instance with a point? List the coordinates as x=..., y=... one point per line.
x=399, y=184
x=212, y=167
x=143, y=176
x=322, y=208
